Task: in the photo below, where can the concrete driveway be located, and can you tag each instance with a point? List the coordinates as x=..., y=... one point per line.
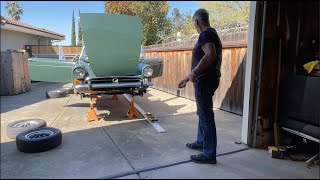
x=116, y=147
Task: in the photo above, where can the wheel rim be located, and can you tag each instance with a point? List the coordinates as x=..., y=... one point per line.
x=39, y=134
x=25, y=124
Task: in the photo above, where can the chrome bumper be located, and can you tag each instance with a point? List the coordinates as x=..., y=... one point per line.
x=130, y=86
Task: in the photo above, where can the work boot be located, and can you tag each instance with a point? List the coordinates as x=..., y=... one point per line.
x=194, y=146
x=200, y=158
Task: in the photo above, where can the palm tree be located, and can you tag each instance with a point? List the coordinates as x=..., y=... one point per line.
x=14, y=10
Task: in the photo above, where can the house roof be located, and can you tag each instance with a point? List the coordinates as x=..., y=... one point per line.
x=5, y=20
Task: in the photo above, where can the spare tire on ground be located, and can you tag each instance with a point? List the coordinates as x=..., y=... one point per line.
x=39, y=140
x=58, y=93
x=17, y=127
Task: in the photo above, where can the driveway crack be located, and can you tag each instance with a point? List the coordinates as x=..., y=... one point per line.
x=61, y=110
x=125, y=157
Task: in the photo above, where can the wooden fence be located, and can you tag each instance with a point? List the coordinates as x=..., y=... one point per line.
x=55, y=49
x=14, y=76
x=177, y=63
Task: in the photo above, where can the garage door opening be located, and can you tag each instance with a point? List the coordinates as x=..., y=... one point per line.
x=284, y=96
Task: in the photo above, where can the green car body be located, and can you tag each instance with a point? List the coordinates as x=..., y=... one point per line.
x=109, y=62
x=51, y=70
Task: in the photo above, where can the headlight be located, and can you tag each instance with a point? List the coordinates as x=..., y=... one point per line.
x=147, y=71
x=79, y=73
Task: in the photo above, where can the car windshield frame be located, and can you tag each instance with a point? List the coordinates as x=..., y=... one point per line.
x=83, y=55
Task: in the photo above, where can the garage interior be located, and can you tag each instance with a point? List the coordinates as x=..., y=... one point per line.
x=286, y=96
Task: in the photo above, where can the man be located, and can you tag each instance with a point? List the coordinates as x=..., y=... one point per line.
x=205, y=75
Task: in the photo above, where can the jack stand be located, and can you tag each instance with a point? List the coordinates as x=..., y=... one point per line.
x=114, y=97
x=92, y=116
x=147, y=116
x=132, y=110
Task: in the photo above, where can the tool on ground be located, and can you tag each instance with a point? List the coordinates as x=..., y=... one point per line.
x=150, y=117
x=280, y=152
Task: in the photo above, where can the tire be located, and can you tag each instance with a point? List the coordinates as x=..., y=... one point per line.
x=68, y=90
x=29, y=142
x=17, y=127
x=58, y=93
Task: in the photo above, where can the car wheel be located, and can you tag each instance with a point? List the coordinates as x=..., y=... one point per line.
x=56, y=93
x=39, y=140
x=17, y=127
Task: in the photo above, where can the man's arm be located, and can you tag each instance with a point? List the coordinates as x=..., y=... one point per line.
x=209, y=58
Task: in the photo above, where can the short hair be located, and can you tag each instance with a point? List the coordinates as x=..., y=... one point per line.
x=202, y=15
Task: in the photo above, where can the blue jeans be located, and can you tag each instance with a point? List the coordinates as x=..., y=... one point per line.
x=207, y=136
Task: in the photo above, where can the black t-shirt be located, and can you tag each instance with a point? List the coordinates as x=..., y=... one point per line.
x=208, y=35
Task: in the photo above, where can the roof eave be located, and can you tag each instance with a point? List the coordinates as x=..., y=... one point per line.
x=32, y=31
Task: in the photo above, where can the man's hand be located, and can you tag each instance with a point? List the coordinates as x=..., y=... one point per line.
x=183, y=83
x=192, y=76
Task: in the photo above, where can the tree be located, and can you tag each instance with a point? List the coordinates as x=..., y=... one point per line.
x=187, y=27
x=178, y=20
x=155, y=24
x=119, y=7
x=14, y=10
x=79, y=31
x=73, y=32
x=227, y=14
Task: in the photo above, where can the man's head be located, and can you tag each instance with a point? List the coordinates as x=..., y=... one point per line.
x=201, y=19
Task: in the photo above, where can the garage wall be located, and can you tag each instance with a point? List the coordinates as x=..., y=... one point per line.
x=14, y=40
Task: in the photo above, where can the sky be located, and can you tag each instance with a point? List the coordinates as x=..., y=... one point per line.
x=57, y=15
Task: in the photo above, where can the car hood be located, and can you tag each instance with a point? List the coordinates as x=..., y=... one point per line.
x=112, y=43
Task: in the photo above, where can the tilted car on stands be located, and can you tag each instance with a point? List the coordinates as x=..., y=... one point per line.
x=110, y=60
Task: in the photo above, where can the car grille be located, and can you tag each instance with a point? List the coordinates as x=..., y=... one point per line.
x=115, y=79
